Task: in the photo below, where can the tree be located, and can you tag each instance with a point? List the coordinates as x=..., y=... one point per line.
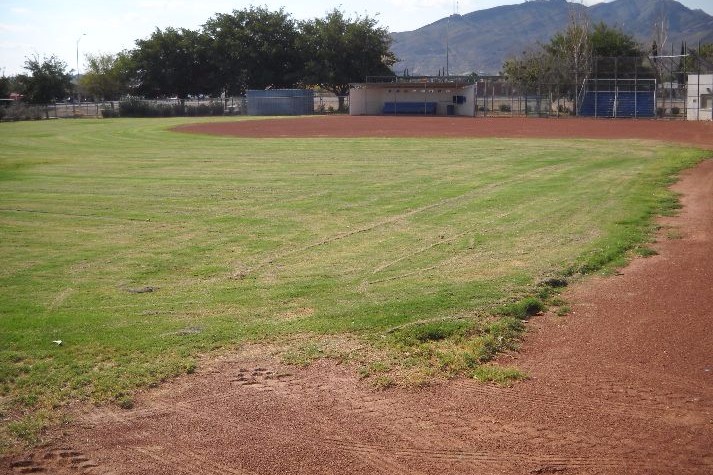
x=530, y=70
x=613, y=42
x=572, y=50
x=48, y=80
x=107, y=76
x=4, y=87
x=338, y=50
x=170, y=62
x=252, y=48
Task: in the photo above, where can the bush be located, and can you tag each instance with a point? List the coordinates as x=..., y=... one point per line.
x=109, y=113
x=524, y=308
x=675, y=110
x=505, y=108
x=134, y=107
x=22, y=111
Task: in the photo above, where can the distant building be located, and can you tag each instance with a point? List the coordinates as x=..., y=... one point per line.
x=414, y=95
x=700, y=97
x=280, y=102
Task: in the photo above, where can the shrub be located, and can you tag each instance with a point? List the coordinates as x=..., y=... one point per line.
x=135, y=107
x=675, y=110
x=505, y=108
x=21, y=111
x=109, y=113
x=524, y=308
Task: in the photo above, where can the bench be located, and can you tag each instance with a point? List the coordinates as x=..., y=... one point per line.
x=410, y=107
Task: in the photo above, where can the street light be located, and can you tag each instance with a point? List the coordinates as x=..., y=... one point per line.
x=78, y=39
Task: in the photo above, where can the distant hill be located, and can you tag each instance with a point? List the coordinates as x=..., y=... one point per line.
x=481, y=41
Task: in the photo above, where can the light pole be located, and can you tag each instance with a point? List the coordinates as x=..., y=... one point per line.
x=78, y=40
x=77, y=81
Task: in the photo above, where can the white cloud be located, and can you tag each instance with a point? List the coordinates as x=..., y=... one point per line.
x=14, y=28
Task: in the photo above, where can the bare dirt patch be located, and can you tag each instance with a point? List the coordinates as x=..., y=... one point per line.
x=693, y=133
x=623, y=385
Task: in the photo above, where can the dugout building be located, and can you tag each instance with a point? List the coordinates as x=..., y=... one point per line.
x=422, y=95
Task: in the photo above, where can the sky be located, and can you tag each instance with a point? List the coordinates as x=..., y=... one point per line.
x=70, y=29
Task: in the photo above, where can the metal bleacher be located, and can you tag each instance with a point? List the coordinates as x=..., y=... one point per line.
x=618, y=99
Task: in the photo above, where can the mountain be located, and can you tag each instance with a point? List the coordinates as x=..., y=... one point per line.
x=481, y=41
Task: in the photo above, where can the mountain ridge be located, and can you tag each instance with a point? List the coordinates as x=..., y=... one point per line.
x=482, y=40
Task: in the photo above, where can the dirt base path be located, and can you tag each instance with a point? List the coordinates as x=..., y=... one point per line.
x=695, y=133
x=623, y=385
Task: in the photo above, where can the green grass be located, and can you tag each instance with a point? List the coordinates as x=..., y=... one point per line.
x=255, y=240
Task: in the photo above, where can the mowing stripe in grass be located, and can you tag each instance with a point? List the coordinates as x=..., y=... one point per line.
x=246, y=239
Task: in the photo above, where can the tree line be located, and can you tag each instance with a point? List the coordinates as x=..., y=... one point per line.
x=253, y=48
x=258, y=48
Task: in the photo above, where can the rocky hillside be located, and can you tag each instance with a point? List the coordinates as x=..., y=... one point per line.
x=482, y=40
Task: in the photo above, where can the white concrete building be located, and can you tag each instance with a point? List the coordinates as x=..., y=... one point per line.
x=700, y=97
x=442, y=96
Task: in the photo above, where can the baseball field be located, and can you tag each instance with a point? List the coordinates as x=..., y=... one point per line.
x=133, y=253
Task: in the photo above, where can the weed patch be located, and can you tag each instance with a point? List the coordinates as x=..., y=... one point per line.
x=501, y=376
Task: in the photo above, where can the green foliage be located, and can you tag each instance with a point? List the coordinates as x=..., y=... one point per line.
x=21, y=111
x=524, y=309
x=135, y=107
x=502, y=376
x=258, y=48
x=431, y=331
x=569, y=57
x=252, y=48
x=107, y=76
x=611, y=42
x=529, y=70
x=4, y=87
x=48, y=80
x=338, y=50
x=171, y=62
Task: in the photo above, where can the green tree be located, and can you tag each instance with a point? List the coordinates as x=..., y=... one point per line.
x=530, y=70
x=613, y=42
x=170, y=62
x=571, y=52
x=252, y=48
x=338, y=50
x=699, y=60
x=48, y=80
x=4, y=87
x=577, y=53
x=107, y=76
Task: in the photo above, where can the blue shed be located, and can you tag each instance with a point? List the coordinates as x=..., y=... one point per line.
x=280, y=102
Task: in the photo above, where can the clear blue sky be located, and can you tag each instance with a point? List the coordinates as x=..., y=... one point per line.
x=47, y=27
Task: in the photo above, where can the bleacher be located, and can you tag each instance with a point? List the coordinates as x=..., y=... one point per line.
x=410, y=108
x=624, y=104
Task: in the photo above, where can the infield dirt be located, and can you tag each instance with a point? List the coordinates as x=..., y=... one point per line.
x=624, y=384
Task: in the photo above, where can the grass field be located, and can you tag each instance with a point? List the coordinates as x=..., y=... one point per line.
x=142, y=249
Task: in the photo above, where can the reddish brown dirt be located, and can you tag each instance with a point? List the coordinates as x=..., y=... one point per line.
x=695, y=133
x=624, y=385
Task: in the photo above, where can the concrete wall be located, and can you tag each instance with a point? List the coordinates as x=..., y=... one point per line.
x=700, y=97
x=367, y=99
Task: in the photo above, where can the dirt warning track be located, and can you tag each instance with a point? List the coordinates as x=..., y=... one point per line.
x=694, y=133
x=624, y=385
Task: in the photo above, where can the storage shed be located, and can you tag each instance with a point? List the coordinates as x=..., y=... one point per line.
x=280, y=102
